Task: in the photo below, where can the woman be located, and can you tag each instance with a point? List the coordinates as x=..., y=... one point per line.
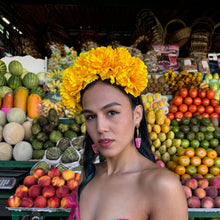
x=106, y=85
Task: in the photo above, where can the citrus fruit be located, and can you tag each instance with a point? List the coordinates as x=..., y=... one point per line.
x=202, y=169
x=189, y=152
x=212, y=153
x=217, y=161
x=180, y=170
x=208, y=176
x=185, y=143
x=185, y=176
x=214, y=142
x=184, y=160
x=196, y=161
x=200, y=152
x=214, y=170
x=208, y=161
x=181, y=152
x=205, y=144
x=195, y=144
x=191, y=170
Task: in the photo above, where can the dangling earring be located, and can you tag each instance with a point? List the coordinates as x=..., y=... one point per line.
x=94, y=149
x=138, y=139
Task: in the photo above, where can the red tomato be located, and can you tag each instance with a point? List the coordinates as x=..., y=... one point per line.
x=205, y=102
x=192, y=108
x=183, y=92
x=200, y=109
x=170, y=116
x=183, y=108
x=178, y=115
x=201, y=93
x=205, y=115
x=188, y=100
x=187, y=114
x=196, y=113
x=197, y=101
x=217, y=109
x=214, y=115
x=173, y=108
x=209, y=109
x=177, y=100
x=210, y=94
x=214, y=102
x=193, y=92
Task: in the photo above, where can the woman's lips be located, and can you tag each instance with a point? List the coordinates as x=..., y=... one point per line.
x=105, y=142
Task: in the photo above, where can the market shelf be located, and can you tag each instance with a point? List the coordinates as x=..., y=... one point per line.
x=204, y=212
x=17, y=164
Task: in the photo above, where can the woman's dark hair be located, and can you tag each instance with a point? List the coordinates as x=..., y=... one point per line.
x=89, y=155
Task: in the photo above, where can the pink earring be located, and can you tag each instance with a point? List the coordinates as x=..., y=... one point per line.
x=138, y=139
x=94, y=149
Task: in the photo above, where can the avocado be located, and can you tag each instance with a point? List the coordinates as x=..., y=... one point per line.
x=190, y=136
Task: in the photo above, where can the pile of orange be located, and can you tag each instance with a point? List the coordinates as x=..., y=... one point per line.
x=188, y=162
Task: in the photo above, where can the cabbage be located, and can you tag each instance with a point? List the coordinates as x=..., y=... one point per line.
x=4, y=90
x=42, y=77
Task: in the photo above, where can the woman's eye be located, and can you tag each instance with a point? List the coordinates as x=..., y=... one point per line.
x=112, y=113
x=89, y=117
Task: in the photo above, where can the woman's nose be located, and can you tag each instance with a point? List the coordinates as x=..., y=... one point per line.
x=102, y=124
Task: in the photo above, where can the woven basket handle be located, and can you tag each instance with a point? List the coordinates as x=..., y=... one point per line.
x=173, y=21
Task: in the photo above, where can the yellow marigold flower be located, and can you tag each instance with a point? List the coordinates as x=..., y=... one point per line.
x=117, y=65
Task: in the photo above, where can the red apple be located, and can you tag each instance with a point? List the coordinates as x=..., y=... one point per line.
x=29, y=181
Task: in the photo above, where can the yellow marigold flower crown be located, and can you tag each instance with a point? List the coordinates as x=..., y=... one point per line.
x=118, y=65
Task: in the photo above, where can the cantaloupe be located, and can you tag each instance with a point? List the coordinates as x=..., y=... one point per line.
x=5, y=151
x=13, y=133
x=3, y=118
x=22, y=151
x=16, y=115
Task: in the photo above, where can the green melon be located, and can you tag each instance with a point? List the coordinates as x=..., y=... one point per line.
x=14, y=82
x=3, y=67
x=3, y=80
x=30, y=80
x=39, y=90
x=15, y=68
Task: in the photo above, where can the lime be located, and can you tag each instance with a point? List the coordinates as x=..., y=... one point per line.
x=191, y=169
x=214, y=142
x=205, y=144
x=185, y=143
x=209, y=135
x=203, y=128
x=195, y=128
x=210, y=128
x=194, y=143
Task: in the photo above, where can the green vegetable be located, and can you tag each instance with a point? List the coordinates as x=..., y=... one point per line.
x=4, y=90
x=48, y=144
x=48, y=128
x=70, y=155
x=38, y=154
x=79, y=119
x=63, y=127
x=53, y=153
x=35, y=129
x=83, y=128
x=64, y=143
x=41, y=164
x=42, y=136
x=42, y=120
x=75, y=127
x=53, y=117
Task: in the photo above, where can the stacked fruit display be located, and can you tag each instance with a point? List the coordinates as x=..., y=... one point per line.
x=193, y=101
x=163, y=141
x=52, y=189
x=202, y=193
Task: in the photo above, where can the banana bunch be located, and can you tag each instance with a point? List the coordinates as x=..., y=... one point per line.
x=56, y=74
x=47, y=105
x=54, y=86
x=204, y=85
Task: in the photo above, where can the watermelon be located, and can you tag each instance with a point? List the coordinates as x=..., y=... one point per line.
x=14, y=82
x=3, y=67
x=15, y=68
x=3, y=80
x=30, y=80
x=39, y=90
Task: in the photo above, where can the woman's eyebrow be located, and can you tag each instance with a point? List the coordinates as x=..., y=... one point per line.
x=103, y=108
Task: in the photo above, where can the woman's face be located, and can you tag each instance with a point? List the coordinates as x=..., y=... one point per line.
x=110, y=120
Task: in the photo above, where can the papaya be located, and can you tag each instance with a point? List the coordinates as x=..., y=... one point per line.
x=33, y=105
x=20, y=99
x=7, y=102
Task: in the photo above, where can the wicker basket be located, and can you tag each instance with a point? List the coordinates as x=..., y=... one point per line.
x=181, y=33
x=216, y=38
